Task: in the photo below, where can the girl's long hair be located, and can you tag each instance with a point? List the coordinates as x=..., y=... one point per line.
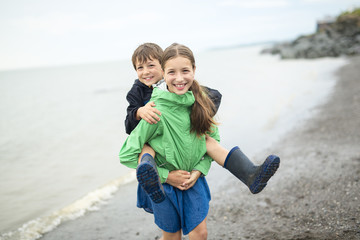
x=202, y=112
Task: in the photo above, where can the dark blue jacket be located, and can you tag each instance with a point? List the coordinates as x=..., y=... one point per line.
x=140, y=94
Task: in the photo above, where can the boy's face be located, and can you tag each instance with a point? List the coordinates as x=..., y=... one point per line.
x=149, y=72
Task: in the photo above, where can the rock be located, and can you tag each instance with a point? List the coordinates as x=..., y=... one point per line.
x=341, y=37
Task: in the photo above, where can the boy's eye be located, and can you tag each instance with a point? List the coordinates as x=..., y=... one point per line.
x=139, y=68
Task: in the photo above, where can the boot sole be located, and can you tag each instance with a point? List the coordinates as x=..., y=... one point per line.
x=270, y=166
x=149, y=180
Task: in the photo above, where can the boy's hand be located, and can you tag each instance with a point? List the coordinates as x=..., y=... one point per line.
x=177, y=178
x=148, y=113
x=194, y=176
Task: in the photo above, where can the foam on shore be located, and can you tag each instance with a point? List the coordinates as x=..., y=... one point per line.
x=35, y=228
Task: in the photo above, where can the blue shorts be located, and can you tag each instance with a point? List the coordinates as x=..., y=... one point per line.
x=181, y=210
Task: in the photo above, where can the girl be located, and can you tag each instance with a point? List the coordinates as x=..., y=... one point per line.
x=179, y=142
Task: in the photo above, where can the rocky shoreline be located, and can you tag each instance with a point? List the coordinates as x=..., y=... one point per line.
x=333, y=38
x=316, y=192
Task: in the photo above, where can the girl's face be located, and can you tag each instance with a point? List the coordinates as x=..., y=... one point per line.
x=179, y=75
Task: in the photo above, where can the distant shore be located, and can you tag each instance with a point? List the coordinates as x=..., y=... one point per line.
x=314, y=195
x=333, y=37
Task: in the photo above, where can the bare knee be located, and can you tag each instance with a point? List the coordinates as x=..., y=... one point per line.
x=200, y=232
x=200, y=235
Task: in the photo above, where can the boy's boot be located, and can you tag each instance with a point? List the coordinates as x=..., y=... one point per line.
x=149, y=179
x=255, y=177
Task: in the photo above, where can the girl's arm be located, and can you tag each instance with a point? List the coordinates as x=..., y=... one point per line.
x=178, y=178
x=134, y=143
x=194, y=176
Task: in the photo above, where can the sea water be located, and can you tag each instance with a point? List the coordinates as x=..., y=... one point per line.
x=61, y=128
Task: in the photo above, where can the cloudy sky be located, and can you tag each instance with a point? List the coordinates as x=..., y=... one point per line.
x=57, y=32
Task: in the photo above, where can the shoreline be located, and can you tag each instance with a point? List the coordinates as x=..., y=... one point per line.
x=314, y=195
x=316, y=192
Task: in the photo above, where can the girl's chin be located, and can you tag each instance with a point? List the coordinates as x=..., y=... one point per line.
x=178, y=92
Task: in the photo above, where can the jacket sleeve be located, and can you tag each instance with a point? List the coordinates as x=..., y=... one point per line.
x=135, y=102
x=129, y=153
x=204, y=165
x=163, y=174
x=215, y=96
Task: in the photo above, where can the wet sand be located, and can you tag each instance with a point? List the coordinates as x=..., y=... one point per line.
x=314, y=195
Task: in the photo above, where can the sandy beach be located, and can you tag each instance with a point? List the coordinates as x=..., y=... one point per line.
x=314, y=195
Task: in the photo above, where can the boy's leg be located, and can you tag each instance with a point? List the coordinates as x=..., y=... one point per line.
x=147, y=175
x=200, y=232
x=216, y=151
x=255, y=177
x=146, y=149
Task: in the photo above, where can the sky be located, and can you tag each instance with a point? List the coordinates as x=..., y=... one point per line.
x=41, y=33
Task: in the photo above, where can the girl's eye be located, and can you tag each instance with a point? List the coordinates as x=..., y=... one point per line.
x=171, y=72
x=139, y=68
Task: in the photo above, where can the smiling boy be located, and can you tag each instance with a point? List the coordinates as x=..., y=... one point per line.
x=146, y=62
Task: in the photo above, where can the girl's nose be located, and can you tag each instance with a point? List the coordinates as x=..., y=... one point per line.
x=179, y=77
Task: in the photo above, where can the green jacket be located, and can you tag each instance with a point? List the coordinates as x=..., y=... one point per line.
x=176, y=148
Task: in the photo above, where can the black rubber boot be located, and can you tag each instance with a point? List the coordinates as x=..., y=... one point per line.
x=255, y=177
x=149, y=180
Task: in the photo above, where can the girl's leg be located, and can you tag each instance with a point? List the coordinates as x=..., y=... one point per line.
x=255, y=177
x=200, y=232
x=171, y=236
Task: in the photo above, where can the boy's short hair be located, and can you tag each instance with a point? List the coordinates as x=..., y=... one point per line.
x=147, y=51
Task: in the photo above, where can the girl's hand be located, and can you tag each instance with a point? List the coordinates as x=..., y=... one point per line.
x=194, y=176
x=177, y=178
x=148, y=113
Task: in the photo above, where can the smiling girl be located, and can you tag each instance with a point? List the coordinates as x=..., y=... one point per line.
x=179, y=142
